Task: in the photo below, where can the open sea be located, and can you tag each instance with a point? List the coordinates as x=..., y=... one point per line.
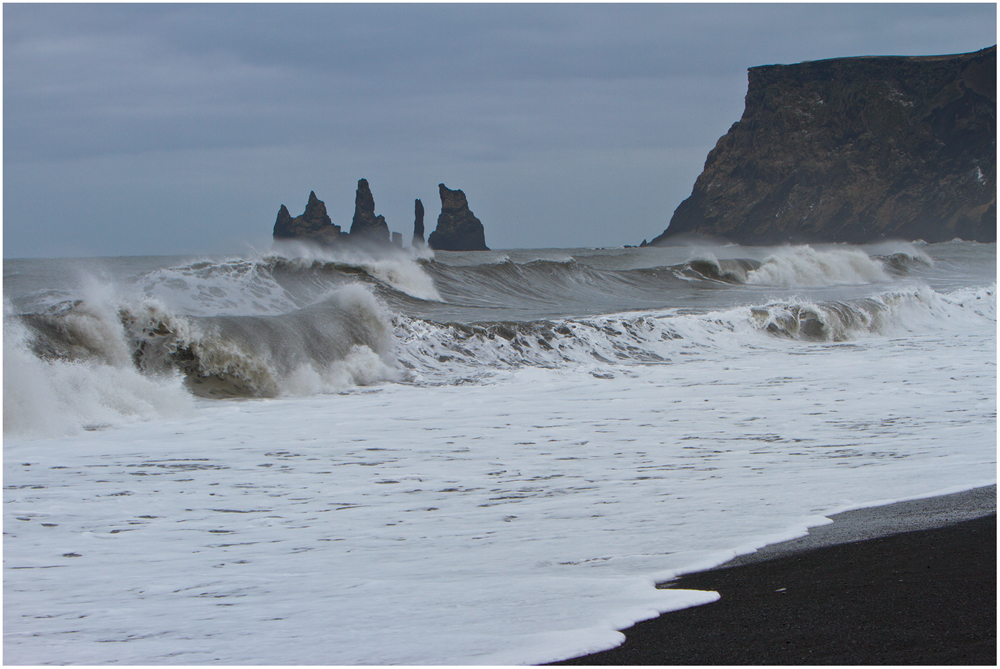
x=458, y=458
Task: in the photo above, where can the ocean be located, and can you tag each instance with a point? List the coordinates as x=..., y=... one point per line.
x=305, y=457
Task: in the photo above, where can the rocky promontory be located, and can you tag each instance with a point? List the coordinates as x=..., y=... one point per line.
x=854, y=150
x=457, y=227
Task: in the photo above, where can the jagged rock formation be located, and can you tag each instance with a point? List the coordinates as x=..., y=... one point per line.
x=854, y=150
x=314, y=225
x=457, y=228
x=418, y=224
x=366, y=225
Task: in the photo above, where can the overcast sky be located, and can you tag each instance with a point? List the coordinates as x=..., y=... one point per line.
x=176, y=129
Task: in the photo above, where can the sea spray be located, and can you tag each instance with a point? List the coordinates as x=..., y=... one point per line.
x=61, y=396
x=400, y=269
x=342, y=341
x=436, y=353
x=234, y=287
x=172, y=324
x=805, y=266
x=272, y=325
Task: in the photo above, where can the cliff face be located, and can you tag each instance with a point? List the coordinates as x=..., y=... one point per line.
x=457, y=227
x=854, y=150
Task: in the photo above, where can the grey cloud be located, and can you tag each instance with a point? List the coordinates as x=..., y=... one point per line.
x=484, y=91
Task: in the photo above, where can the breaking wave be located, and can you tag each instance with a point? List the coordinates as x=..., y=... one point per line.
x=279, y=326
x=807, y=267
x=276, y=284
x=93, y=384
x=433, y=352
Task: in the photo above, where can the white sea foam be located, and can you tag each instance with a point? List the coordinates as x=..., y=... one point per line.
x=398, y=268
x=514, y=501
x=445, y=352
x=360, y=367
x=518, y=521
x=58, y=397
x=343, y=342
x=234, y=287
x=804, y=266
x=404, y=275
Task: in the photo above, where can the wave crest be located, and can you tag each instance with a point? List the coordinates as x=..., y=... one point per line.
x=804, y=266
x=343, y=341
x=442, y=353
x=65, y=391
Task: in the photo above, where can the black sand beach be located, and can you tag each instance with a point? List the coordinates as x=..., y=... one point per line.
x=921, y=591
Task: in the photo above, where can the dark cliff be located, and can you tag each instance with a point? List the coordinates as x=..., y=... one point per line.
x=457, y=228
x=854, y=150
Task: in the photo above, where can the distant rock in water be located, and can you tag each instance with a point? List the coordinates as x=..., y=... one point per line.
x=854, y=150
x=366, y=225
x=457, y=228
x=314, y=225
x=418, y=224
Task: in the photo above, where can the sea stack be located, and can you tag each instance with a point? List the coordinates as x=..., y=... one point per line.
x=314, y=225
x=418, y=224
x=457, y=228
x=854, y=150
x=366, y=225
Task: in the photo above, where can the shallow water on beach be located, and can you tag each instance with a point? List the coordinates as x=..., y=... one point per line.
x=476, y=458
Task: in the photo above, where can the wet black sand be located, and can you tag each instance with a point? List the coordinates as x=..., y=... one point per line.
x=925, y=596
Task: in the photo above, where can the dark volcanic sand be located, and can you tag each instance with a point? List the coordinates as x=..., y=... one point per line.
x=919, y=597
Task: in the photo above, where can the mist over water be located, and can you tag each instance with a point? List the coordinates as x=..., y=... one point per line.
x=557, y=428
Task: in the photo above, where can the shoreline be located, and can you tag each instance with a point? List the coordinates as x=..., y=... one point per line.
x=873, y=522
x=911, y=582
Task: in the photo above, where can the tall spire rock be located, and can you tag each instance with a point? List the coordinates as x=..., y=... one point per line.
x=366, y=225
x=457, y=227
x=418, y=224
